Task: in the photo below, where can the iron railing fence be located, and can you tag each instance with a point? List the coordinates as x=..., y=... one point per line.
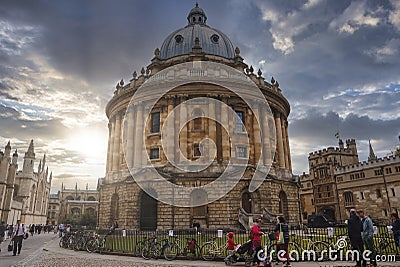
x=130, y=241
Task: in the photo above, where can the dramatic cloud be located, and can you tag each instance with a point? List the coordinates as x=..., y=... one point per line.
x=321, y=130
x=337, y=63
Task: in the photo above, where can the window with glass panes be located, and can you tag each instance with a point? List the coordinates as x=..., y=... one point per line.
x=241, y=152
x=240, y=121
x=155, y=122
x=154, y=153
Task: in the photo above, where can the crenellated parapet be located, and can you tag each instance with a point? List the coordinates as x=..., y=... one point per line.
x=378, y=163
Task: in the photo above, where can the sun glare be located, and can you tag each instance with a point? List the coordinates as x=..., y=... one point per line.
x=89, y=143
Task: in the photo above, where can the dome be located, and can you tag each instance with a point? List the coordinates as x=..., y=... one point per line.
x=212, y=41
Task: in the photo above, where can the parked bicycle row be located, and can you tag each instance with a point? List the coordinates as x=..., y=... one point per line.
x=210, y=244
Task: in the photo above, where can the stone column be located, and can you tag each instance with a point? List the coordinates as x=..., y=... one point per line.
x=117, y=141
x=225, y=131
x=137, y=162
x=212, y=126
x=288, y=147
x=279, y=141
x=257, y=134
x=123, y=132
x=170, y=131
x=184, y=134
x=129, y=149
x=267, y=153
x=283, y=122
x=110, y=129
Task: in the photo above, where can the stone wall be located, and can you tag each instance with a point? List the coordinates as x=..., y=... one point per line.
x=222, y=213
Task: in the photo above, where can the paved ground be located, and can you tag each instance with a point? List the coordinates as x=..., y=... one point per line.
x=43, y=251
x=31, y=249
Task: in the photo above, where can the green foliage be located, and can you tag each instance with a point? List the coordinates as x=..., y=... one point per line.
x=88, y=220
x=84, y=220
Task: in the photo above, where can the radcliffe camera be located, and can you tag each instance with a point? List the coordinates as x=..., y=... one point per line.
x=209, y=133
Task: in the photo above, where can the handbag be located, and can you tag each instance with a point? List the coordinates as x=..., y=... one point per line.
x=26, y=236
x=279, y=236
x=10, y=246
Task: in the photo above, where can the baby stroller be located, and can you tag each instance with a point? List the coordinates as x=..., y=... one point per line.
x=243, y=254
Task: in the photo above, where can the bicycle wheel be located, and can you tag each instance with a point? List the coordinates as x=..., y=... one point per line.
x=91, y=245
x=171, y=251
x=208, y=251
x=139, y=248
x=61, y=243
x=78, y=244
x=146, y=252
x=321, y=250
x=293, y=246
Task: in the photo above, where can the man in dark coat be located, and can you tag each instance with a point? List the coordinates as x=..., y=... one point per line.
x=354, y=228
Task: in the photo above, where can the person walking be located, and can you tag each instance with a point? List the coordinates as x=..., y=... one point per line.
x=255, y=235
x=10, y=229
x=231, y=248
x=396, y=229
x=283, y=229
x=354, y=229
x=367, y=236
x=18, y=236
x=60, y=229
x=32, y=229
x=2, y=232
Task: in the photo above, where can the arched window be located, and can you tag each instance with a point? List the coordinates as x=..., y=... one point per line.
x=32, y=200
x=39, y=197
x=69, y=198
x=283, y=205
x=246, y=202
x=114, y=208
x=91, y=198
x=348, y=198
x=90, y=211
x=197, y=198
x=76, y=211
x=148, y=211
x=198, y=122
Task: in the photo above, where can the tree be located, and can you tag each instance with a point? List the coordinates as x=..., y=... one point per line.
x=88, y=219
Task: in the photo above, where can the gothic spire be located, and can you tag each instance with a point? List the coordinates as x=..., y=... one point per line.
x=31, y=150
x=372, y=155
x=44, y=161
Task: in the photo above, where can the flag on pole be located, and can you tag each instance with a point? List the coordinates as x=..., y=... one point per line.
x=337, y=135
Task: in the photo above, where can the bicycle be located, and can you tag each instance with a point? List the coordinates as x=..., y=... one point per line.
x=272, y=246
x=151, y=249
x=191, y=249
x=81, y=241
x=169, y=250
x=96, y=244
x=386, y=245
x=66, y=240
x=210, y=250
x=318, y=247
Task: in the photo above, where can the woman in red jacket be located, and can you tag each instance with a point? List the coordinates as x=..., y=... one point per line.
x=256, y=235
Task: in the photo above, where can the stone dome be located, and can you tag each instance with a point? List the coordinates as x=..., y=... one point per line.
x=212, y=41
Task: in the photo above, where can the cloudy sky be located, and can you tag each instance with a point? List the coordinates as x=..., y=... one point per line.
x=338, y=63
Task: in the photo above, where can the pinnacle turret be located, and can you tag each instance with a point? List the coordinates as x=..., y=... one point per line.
x=372, y=155
x=31, y=151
